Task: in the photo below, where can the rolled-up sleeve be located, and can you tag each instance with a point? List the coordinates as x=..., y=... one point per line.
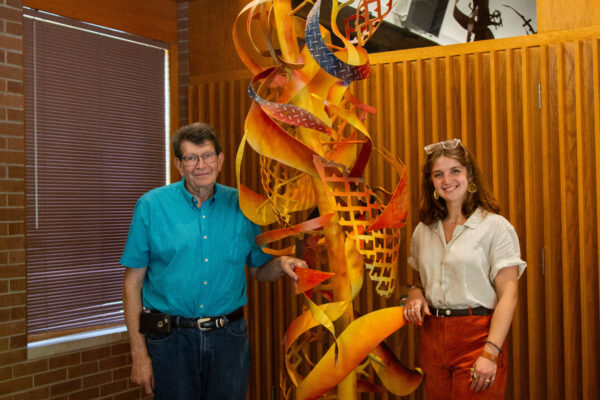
x=505, y=250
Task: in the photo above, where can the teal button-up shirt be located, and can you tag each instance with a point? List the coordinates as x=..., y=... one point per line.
x=195, y=256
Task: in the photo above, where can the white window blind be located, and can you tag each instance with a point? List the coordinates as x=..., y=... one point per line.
x=95, y=142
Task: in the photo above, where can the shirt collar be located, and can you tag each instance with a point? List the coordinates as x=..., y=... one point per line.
x=474, y=219
x=190, y=199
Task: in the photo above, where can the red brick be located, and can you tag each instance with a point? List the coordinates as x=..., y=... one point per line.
x=4, y=175
x=58, y=375
x=30, y=368
x=97, y=379
x=12, y=299
x=83, y=369
x=12, y=328
x=113, y=387
x=16, y=257
x=16, y=385
x=15, y=115
x=3, y=288
x=12, y=157
x=132, y=394
x=18, y=312
x=3, y=114
x=65, y=387
x=16, y=228
x=86, y=394
x=12, y=271
x=2, y=60
x=14, y=58
x=65, y=360
x=11, y=213
x=4, y=316
x=2, y=141
x=95, y=354
x=11, y=186
x=15, y=143
x=14, y=3
x=12, y=129
x=11, y=71
x=3, y=258
x=16, y=171
x=4, y=229
x=18, y=285
x=18, y=341
x=5, y=373
x=4, y=344
x=120, y=348
x=14, y=28
x=121, y=373
x=113, y=362
x=12, y=357
x=11, y=14
x=11, y=100
x=14, y=86
x=12, y=242
x=38, y=393
x=15, y=200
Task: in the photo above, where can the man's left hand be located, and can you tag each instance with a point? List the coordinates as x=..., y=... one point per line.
x=288, y=264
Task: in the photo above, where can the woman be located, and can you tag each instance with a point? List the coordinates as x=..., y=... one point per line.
x=469, y=263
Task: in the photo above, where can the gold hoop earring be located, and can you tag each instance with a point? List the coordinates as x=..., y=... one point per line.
x=472, y=188
x=436, y=195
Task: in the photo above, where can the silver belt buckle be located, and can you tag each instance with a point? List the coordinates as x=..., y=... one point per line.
x=199, y=324
x=447, y=313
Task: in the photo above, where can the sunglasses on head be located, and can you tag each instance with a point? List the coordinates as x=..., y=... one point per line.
x=446, y=145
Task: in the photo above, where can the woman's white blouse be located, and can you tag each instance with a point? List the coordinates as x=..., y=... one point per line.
x=461, y=273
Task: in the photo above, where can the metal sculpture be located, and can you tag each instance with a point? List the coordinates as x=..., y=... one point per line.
x=313, y=148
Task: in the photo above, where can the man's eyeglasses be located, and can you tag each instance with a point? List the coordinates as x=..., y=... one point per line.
x=446, y=145
x=192, y=159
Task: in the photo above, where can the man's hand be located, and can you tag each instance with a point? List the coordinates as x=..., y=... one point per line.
x=288, y=264
x=278, y=267
x=141, y=373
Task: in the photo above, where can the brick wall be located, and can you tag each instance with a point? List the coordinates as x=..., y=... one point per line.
x=97, y=373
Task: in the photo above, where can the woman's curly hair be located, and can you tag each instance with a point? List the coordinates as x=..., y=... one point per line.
x=433, y=209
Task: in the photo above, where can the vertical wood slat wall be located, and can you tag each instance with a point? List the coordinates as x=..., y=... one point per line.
x=529, y=109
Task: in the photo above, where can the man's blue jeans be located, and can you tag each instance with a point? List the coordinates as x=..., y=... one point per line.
x=208, y=365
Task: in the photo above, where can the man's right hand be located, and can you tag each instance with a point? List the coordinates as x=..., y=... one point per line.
x=141, y=373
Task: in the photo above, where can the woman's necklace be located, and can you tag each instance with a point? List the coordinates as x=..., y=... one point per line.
x=454, y=221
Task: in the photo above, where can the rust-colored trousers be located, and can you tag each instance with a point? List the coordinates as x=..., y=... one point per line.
x=448, y=350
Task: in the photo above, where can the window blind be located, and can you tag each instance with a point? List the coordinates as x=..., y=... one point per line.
x=95, y=142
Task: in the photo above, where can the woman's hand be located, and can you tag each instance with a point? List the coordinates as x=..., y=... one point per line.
x=483, y=374
x=416, y=307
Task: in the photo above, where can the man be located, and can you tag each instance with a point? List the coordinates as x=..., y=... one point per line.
x=185, y=256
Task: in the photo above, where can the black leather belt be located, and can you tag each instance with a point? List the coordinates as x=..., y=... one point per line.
x=208, y=323
x=463, y=312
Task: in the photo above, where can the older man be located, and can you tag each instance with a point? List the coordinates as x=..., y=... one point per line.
x=185, y=282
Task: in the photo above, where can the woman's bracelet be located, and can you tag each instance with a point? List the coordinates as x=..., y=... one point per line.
x=489, y=356
x=490, y=342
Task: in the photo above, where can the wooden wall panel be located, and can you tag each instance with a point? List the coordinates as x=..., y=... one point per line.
x=556, y=15
x=154, y=19
x=530, y=112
